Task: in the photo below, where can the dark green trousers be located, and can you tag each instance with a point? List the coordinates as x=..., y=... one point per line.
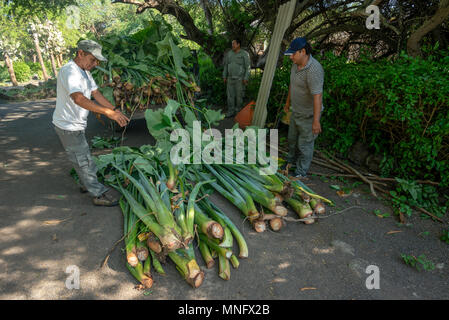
x=301, y=142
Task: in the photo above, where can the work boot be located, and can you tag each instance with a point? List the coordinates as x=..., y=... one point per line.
x=108, y=199
x=83, y=189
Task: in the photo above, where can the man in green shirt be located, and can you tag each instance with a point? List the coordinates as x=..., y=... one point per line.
x=306, y=95
x=235, y=75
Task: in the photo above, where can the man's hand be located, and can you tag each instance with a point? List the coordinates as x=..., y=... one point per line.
x=245, y=82
x=118, y=117
x=316, y=127
x=224, y=80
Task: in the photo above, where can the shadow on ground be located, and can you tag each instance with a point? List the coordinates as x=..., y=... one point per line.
x=46, y=225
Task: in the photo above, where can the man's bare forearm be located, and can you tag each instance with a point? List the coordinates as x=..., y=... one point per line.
x=317, y=104
x=101, y=99
x=88, y=104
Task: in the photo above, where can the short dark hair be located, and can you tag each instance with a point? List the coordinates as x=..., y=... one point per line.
x=308, y=48
x=238, y=41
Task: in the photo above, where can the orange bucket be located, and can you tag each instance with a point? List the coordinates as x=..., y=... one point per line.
x=245, y=116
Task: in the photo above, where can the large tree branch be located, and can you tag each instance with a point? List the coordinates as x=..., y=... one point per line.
x=440, y=15
x=208, y=15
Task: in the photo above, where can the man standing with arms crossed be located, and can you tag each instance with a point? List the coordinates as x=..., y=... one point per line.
x=235, y=75
x=75, y=86
x=305, y=96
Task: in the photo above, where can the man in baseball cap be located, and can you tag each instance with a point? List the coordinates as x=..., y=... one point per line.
x=92, y=47
x=305, y=97
x=75, y=87
x=296, y=45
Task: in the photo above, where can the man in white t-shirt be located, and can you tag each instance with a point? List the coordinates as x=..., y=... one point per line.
x=75, y=87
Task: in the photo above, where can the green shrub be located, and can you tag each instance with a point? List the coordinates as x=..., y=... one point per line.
x=22, y=71
x=398, y=108
x=211, y=81
x=36, y=69
x=4, y=74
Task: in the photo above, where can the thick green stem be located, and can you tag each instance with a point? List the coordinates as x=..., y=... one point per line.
x=156, y=263
x=216, y=214
x=234, y=261
x=188, y=269
x=205, y=253
x=190, y=216
x=221, y=251
x=224, y=269
x=138, y=273
x=207, y=226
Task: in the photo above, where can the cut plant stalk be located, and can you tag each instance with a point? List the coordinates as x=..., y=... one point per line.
x=303, y=209
x=224, y=269
x=147, y=267
x=317, y=206
x=258, y=192
x=190, y=214
x=153, y=243
x=276, y=222
x=171, y=182
x=180, y=216
x=206, y=254
x=213, y=245
x=141, y=251
x=189, y=269
x=234, y=261
x=137, y=272
x=152, y=200
x=209, y=227
x=215, y=212
x=156, y=263
x=169, y=240
x=130, y=230
x=237, y=196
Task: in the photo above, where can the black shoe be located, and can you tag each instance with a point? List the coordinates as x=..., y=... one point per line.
x=108, y=199
x=83, y=189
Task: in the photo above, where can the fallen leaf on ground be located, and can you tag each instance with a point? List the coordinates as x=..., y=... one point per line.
x=54, y=238
x=392, y=232
x=308, y=288
x=342, y=194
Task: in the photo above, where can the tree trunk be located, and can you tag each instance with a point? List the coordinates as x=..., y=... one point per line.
x=34, y=58
x=58, y=60
x=53, y=64
x=10, y=67
x=61, y=59
x=413, y=47
x=39, y=55
x=208, y=15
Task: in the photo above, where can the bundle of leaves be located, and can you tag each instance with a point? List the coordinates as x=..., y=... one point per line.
x=145, y=68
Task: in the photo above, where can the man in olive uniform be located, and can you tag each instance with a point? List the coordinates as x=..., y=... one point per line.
x=306, y=94
x=235, y=75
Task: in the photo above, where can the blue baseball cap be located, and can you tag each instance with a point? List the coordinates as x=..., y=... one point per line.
x=296, y=45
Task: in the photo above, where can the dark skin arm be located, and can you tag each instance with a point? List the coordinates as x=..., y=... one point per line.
x=107, y=110
x=317, y=102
